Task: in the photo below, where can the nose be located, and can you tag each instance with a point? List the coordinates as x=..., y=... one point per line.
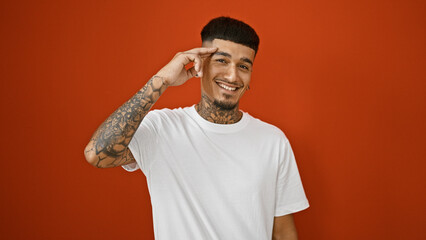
x=231, y=74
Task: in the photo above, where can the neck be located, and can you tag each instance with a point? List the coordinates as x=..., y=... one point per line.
x=215, y=114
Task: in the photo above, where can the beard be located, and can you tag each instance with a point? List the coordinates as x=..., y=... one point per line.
x=224, y=105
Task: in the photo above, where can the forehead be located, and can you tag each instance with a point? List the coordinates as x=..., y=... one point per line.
x=236, y=50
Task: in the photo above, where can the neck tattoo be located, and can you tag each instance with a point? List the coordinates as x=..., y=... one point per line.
x=215, y=114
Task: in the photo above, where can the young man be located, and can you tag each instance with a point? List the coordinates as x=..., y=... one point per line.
x=213, y=171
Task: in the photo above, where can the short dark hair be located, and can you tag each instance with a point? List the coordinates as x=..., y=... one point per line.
x=230, y=29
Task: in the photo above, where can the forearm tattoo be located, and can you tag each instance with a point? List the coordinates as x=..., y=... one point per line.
x=213, y=112
x=111, y=139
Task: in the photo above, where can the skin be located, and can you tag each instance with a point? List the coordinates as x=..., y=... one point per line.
x=108, y=146
x=284, y=228
x=231, y=66
x=224, y=68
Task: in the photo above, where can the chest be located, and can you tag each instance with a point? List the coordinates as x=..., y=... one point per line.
x=211, y=165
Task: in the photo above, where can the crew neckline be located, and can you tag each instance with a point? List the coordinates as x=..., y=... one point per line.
x=217, y=127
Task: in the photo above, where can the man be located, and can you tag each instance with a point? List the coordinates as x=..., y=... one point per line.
x=213, y=171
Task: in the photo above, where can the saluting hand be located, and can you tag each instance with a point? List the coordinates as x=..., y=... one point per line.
x=175, y=73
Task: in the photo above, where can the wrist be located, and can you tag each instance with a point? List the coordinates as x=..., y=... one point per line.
x=158, y=80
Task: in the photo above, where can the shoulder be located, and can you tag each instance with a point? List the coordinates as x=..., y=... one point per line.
x=167, y=114
x=266, y=129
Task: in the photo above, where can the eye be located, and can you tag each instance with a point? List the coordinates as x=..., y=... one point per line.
x=221, y=60
x=244, y=67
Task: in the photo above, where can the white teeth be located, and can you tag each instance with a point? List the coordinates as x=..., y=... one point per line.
x=226, y=87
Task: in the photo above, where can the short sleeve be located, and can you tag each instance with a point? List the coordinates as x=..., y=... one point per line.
x=290, y=195
x=143, y=143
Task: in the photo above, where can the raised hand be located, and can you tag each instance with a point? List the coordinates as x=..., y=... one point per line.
x=175, y=73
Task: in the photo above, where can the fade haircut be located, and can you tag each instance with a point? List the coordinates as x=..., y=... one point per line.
x=230, y=29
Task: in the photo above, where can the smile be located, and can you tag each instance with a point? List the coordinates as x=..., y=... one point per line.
x=226, y=87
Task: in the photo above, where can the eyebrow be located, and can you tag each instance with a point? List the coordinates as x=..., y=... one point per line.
x=225, y=54
x=244, y=59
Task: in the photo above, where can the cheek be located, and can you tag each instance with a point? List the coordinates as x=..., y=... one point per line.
x=212, y=69
x=206, y=66
x=206, y=83
x=246, y=79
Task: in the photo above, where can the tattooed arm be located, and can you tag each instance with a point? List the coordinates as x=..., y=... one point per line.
x=108, y=146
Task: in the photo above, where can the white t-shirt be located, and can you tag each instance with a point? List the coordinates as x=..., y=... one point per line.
x=215, y=181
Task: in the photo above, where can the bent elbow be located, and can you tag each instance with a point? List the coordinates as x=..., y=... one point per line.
x=91, y=157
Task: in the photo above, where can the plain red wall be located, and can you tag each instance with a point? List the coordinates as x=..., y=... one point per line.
x=345, y=80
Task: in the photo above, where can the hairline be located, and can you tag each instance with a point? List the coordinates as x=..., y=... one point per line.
x=211, y=40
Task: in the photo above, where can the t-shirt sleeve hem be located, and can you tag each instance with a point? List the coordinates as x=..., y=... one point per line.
x=297, y=207
x=131, y=167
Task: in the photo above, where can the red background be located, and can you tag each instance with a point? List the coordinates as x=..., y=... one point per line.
x=345, y=80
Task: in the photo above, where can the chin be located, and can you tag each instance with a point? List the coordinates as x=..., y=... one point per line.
x=225, y=105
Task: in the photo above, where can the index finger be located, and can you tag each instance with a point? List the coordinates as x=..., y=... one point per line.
x=203, y=50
